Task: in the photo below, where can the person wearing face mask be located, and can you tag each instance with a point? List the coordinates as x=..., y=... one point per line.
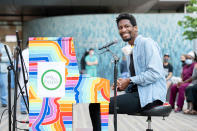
x=183, y=60
x=191, y=92
x=91, y=63
x=168, y=68
x=181, y=86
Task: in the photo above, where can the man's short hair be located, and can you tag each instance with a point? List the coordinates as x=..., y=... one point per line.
x=91, y=49
x=166, y=54
x=128, y=16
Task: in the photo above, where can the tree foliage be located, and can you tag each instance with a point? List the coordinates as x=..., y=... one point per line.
x=190, y=21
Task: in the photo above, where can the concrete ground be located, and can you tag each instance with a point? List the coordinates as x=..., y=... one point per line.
x=82, y=122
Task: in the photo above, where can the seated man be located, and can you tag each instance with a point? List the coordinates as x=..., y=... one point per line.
x=168, y=68
x=147, y=81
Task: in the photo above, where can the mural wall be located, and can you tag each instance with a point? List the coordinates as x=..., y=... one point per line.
x=93, y=31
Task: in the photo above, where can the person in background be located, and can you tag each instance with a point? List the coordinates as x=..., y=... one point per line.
x=191, y=93
x=83, y=62
x=4, y=61
x=123, y=68
x=168, y=68
x=124, y=71
x=25, y=54
x=183, y=60
x=12, y=72
x=180, y=87
x=176, y=79
x=91, y=63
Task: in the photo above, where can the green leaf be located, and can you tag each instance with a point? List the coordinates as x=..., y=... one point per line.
x=190, y=22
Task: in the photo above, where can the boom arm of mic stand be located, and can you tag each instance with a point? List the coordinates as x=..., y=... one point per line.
x=103, y=52
x=116, y=58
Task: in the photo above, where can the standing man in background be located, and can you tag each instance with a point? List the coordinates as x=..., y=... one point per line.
x=4, y=61
x=91, y=63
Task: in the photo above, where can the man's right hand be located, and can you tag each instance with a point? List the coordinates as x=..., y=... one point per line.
x=122, y=84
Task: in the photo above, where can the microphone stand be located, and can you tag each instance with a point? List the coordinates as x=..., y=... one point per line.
x=24, y=78
x=18, y=50
x=116, y=60
x=9, y=97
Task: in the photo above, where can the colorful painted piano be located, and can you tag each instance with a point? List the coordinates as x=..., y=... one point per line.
x=55, y=84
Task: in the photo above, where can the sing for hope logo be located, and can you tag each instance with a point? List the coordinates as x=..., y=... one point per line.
x=51, y=79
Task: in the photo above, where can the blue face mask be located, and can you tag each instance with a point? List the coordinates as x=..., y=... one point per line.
x=188, y=61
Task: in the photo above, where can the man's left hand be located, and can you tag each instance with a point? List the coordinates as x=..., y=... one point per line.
x=122, y=84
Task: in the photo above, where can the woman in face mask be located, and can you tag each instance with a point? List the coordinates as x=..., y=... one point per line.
x=189, y=60
x=180, y=87
x=191, y=92
x=183, y=60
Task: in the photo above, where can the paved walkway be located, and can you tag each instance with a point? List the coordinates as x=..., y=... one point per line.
x=175, y=122
x=4, y=122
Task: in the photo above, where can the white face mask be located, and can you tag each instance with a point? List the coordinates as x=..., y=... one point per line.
x=188, y=61
x=127, y=50
x=92, y=53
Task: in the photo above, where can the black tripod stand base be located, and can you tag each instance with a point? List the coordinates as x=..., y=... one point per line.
x=149, y=129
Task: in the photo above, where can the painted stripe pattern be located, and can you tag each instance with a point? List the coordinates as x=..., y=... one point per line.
x=55, y=113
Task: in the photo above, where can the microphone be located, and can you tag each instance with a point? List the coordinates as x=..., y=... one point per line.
x=109, y=44
x=17, y=38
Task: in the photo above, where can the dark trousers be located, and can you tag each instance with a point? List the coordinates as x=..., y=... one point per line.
x=191, y=95
x=127, y=104
x=94, y=109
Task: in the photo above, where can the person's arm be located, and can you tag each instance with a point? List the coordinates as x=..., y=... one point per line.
x=186, y=81
x=194, y=74
x=154, y=71
x=170, y=72
x=4, y=57
x=92, y=63
x=182, y=76
x=169, y=75
x=193, y=77
x=96, y=61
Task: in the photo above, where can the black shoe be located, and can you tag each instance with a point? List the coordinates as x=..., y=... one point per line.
x=4, y=105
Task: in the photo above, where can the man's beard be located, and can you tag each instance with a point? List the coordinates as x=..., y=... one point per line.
x=126, y=40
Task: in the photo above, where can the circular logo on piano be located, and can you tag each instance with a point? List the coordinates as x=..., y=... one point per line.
x=51, y=79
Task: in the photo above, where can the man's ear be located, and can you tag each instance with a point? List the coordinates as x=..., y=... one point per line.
x=135, y=28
